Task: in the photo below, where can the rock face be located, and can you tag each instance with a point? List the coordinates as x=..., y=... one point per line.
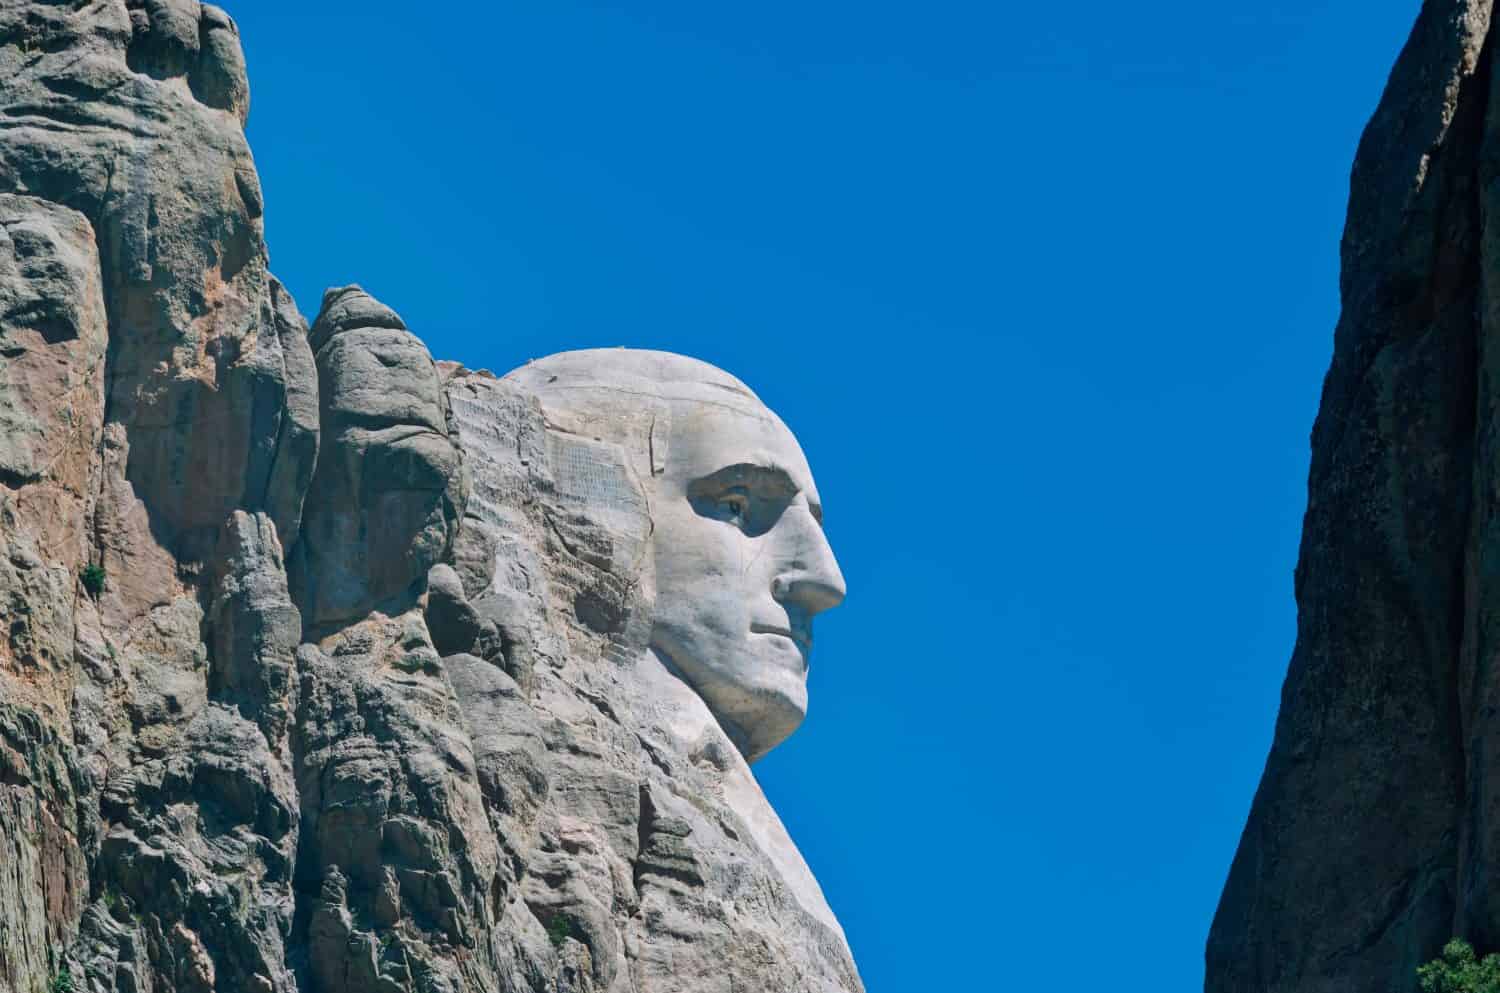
x=319, y=671
x=631, y=821
x=1375, y=834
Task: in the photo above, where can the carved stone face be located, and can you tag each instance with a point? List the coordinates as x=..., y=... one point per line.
x=741, y=564
x=742, y=567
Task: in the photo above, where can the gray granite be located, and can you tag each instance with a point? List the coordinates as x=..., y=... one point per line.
x=329, y=667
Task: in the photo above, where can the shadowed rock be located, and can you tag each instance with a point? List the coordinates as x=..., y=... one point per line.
x=386, y=499
x=1373, y=836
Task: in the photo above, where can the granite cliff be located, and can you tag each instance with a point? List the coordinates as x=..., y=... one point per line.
x=317, y=671
x=1375, y=833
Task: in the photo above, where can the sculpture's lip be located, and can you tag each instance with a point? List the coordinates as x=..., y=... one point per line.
x=802, y=641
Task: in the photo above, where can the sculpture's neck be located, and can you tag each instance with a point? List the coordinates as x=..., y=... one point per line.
x=680, y=689
x=682, y=713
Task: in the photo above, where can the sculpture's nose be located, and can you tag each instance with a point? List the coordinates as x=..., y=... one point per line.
x=811, y=579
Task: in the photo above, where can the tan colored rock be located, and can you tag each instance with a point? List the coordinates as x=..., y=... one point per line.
x=481, y=734
x=53, y=335
x=155, y=381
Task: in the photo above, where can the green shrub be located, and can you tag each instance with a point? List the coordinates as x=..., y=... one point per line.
x=1459, y=970
x=559, y=929
x=118, y=908
x=92, y=578
x=62, y=982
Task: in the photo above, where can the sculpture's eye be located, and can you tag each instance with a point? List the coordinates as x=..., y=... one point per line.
x=733, y=506
x=751, y=497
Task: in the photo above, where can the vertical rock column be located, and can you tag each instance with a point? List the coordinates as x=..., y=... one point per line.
x=156, y=387
x=398, y=867
x=1368, y=842
x=388, y=493
x=53, y=332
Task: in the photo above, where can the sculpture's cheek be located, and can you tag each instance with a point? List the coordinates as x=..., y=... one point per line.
x=752, y=681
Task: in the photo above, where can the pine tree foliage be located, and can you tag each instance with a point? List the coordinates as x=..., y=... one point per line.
x=1459, y=970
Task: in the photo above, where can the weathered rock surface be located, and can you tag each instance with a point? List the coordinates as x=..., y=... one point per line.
x=156, y=382
x=637, y=835
x=311, y=677
x=388, y=492
x=1374, y=837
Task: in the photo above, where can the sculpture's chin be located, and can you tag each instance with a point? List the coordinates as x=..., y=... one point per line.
x=770, y=705
x=757, y=692
x=773, y=728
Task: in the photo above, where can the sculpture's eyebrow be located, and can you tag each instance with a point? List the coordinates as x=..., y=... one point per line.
x=766, y=478
x=760, y=474
x=814, y=505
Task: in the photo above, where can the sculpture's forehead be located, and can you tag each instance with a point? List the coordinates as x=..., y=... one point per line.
x=716, y=420
x=626, y=372
x=708, y=436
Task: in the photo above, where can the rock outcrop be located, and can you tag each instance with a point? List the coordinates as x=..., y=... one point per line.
x=312, y=678
x=1375, y=833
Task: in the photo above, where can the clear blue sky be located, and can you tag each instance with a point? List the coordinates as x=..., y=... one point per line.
x=1046, y=292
